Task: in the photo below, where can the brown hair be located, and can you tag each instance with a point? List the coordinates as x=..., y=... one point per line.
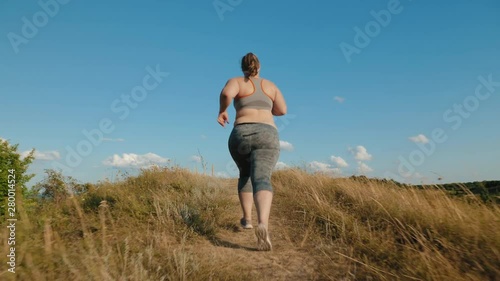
x=250, y=65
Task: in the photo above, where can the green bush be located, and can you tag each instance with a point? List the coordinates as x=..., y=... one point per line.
x=57, y=187
x=11, y=160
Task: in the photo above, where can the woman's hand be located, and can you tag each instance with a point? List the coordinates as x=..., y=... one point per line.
x=223, y=119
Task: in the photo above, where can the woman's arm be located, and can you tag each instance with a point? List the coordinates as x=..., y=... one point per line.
x=228, y=93
x=279, y=104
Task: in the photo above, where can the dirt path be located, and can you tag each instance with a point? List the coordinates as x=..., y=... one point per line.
x=287, y=261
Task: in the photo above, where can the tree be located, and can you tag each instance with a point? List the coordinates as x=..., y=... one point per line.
x=11, y=161
x=57, y=187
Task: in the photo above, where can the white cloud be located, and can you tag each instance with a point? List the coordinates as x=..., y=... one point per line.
x=339, y=99
x=360, y=153
x=284, y=145
x=418, y=178
x=222, y=175
x=419, y=139
x=280, y=166
x=134, y=160
x=196, y=158
x=321, y=167
x=341, y=163
x=42, y=155
x=363, y=168
x=114, y=140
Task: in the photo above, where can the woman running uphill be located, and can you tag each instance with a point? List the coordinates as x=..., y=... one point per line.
x=254, y=142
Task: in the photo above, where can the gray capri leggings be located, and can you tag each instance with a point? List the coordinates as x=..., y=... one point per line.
x=255, y=148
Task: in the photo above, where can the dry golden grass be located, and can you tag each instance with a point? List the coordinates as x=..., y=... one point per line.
x=171, y=224
x=386, y=232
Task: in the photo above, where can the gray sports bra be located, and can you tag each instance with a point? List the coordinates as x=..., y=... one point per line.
x=256, y=100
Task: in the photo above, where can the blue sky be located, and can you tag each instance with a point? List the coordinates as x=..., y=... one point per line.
x=372, y=105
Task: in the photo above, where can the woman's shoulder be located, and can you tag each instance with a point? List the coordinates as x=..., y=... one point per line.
x=267, y=82
x=238, y=79
x=243, y=79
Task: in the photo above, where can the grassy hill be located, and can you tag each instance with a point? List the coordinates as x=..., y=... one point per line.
x=488, y=191
x=171, y=224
